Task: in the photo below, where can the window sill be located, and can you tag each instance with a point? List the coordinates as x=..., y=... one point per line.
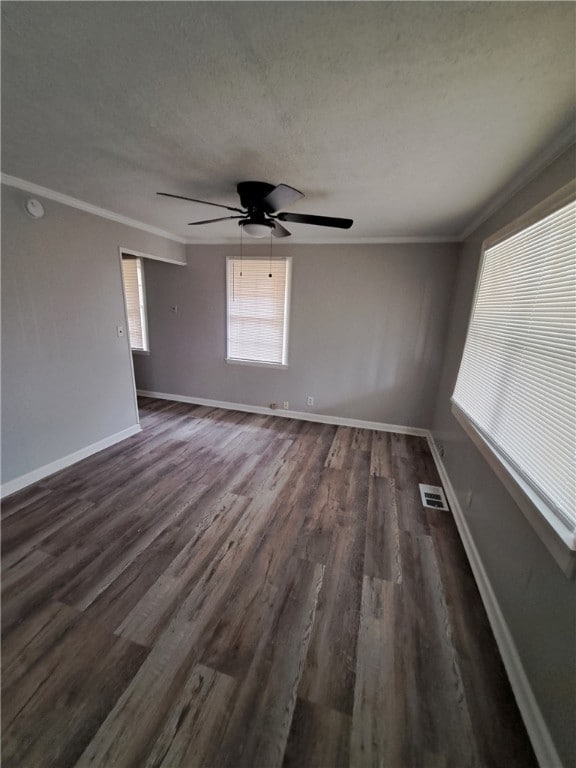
x=558, y=537
x=255, y=363
x=140, y=351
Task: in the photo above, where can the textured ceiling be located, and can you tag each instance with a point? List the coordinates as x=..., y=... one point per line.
x=407, y=117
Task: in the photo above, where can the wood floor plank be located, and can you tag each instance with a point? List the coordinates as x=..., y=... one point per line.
x=419, y=453
x=219, y=528
x=382, y=558
x=395, y=723
x=37, y=584
x=442, y=724
x=126, y=734
x=31, y=639
x=247, y=608
x=318, y=526
x=236, y=630
x=37, y=521
x=105, y=482
x=196, y=722
x=26, y=568
x=329, y=673
x=330, y=665
x=411, y=514
x=199, y=511
x=378, y=732
x=118, y=517
x=113, y=603
x=400, y=445
x=104, y=569
x=23, y=499
x=319, y=738
x=55, y=708
x=258, y=728
x=483, y=675
x=303, y=444
x=381, y=455
x=235, y=590
x=319, y=505
x=341, y=449
x=361, y=440
x=265, y=476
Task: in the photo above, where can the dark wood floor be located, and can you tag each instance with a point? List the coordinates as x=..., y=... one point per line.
x=226, y=589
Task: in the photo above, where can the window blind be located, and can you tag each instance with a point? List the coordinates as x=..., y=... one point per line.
x=134, y=294
x=517, y=377
x=258, y=310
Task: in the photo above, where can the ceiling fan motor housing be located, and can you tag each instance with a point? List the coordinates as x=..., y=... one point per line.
x=252, y=194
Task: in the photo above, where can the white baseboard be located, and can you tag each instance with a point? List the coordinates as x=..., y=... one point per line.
x=6, y=489
x=536, y=727
x=320, y=418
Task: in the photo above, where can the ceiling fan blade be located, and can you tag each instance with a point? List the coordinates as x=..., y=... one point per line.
x=280, y=231
x=204, y=202
x=320, y=221
x=280, y=197
x=209, y=221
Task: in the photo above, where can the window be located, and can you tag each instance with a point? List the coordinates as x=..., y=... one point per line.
x=258, y=292
x=133, y=277
x=516, y=387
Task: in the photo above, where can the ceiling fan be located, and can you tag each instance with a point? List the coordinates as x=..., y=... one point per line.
x=260, y=214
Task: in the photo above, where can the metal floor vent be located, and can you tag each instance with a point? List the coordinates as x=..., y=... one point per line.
x=433, y=496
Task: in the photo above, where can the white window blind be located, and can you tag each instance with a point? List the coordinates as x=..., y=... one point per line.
x=258, y=310
x=517, y=378
x=133, y=277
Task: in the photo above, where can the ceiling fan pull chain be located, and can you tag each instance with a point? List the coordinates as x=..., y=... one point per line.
x=270, y=264
x=234, y=280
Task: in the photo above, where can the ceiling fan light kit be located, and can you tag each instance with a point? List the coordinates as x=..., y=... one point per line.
x=256, y=228
x=260, y=215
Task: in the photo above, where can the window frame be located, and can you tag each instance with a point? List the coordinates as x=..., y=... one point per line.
x=557, y=535
x=287, y=303
x=129, y=255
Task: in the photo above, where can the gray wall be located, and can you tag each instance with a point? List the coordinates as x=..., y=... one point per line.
x=66, y=376
x=537, y=600
x=366, y=332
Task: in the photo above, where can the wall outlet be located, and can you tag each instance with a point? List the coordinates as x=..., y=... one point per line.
x=309, y=400
x=120, y=330
x=273, y=406
x=286, y=405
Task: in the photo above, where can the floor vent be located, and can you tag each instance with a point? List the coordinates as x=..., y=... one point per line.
x=433, y=496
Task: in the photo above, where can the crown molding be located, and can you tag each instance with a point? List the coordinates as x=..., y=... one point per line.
x=73, y=202
x=560, y=144
x=285, y=241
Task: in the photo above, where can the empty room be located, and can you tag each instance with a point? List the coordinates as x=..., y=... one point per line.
x=288, y=384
